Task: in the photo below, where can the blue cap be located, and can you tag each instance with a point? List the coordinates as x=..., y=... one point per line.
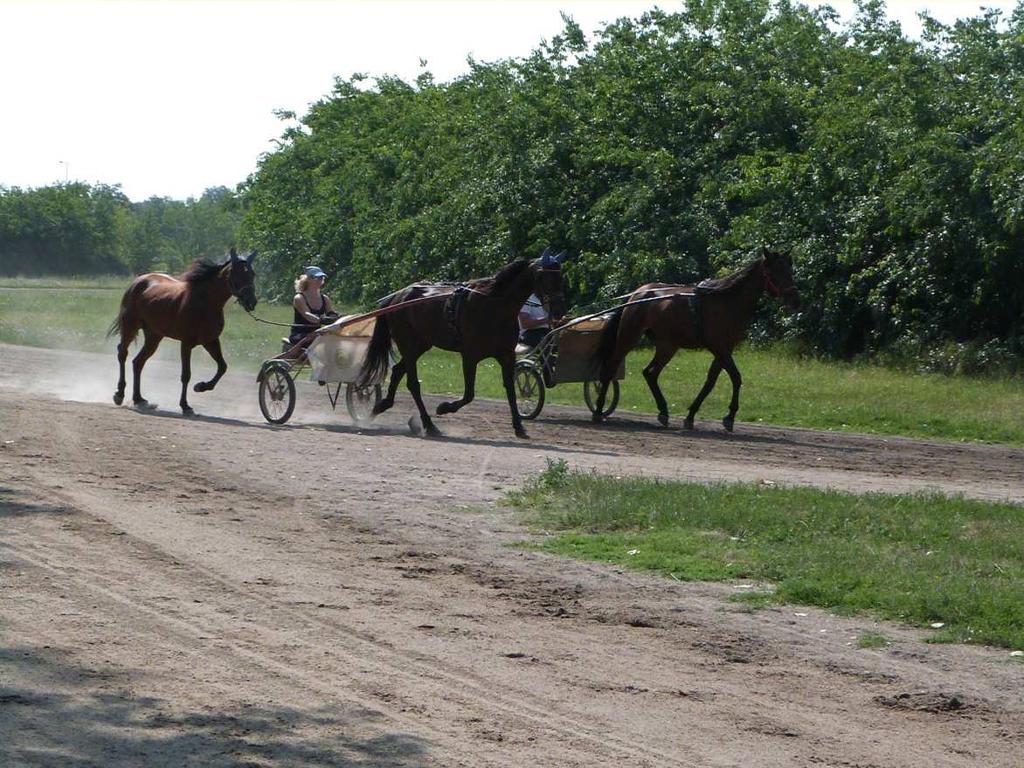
x=314, y=272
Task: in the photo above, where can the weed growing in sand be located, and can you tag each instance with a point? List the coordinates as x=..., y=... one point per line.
x=872, y=640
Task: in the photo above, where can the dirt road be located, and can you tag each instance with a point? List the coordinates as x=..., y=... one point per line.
x=220, y=592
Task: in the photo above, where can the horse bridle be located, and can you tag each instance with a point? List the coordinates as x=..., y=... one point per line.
x=235, y=291
x=545, y=300
x=772, y=288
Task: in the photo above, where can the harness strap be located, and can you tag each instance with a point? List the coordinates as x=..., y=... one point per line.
x=453, y=309
x=697, y=316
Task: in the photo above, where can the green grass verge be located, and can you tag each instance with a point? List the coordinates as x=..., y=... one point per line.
x=925, y=560
x=779, y=388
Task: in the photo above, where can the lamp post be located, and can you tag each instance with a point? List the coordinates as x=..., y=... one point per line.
x=65, y=164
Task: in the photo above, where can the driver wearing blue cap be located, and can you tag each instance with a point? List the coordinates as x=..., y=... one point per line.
x=312, y=307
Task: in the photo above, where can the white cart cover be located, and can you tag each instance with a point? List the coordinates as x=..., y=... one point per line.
x=337, y=354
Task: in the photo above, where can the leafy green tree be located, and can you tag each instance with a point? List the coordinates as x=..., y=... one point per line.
x=669, y=147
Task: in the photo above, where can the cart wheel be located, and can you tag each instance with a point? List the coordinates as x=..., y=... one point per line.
x=277, y=395
x=529, y=390
x=590, y=392
x=360, y=402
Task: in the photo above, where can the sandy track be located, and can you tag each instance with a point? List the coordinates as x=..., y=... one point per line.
x=221, y=592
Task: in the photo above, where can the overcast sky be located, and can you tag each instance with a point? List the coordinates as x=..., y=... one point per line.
x=170, y=98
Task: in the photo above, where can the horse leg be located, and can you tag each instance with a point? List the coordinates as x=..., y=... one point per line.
x=608, y=369
x=709, y=384
x=469, y=379
x=397, y=372
x=150, y=343
x=122, y=355
x=186, y=374
x=508, y=372
x=602, y=392
x=737, y=381
x=128, y=332
x=413, y=383
x=630, y=331
x=213, y=348
x=662, y=355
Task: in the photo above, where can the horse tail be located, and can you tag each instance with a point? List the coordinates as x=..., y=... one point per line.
x=378, y=355
x=115, y=327
x=606, y=344
x=121, y=325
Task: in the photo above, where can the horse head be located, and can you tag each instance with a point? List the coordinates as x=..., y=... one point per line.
x=778, y=277
x=550, y=285
x=241, y=279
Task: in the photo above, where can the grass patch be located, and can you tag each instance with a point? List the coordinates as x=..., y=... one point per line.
x=872, y=640
x=780, y=387
x=920, y=559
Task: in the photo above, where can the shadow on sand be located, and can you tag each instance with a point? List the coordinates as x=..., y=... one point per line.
x=710, y=432
x=86, y=727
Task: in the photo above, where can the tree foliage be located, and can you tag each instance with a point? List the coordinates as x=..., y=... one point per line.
x=668, y=147
x=81, y=229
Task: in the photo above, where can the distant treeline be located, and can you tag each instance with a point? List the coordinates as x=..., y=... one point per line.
x=78, y=229
x=669, y=147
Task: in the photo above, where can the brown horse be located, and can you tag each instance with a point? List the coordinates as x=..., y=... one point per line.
x=189, y=308
x=714, y=315
x=479, y=320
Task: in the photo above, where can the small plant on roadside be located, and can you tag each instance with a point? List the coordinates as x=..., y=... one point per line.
x=872, y=640
x=555, y=475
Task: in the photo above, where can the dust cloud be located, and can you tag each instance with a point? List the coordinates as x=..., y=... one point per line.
x=91, y=378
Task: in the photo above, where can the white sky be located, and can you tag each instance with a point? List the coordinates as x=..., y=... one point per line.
x=170, y=98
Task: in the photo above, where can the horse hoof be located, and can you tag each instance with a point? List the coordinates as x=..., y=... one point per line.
x=727, y=423
x=201, y=386
x=433, y=431
x=443, y=408
x=118, y=398
x=596, y=418
x=688, y=424
x=663, y=419
x=143, y=405
x=187, y=411
x=380, y=407
x=521, y=434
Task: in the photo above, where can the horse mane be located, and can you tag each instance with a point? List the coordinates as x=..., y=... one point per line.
x=503, y=278
x=729, y=282
x=202, y=270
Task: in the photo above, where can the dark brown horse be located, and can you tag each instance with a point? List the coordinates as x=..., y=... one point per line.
x=189, y=308
x=714, y=315
x=479, y=320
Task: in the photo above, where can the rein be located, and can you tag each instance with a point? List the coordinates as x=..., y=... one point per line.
x=351, y=319
x=271, y=322
x=774, y=289
x=613, y=308
x=367, y=315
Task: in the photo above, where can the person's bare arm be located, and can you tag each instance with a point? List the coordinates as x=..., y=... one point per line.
x=302, y=307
